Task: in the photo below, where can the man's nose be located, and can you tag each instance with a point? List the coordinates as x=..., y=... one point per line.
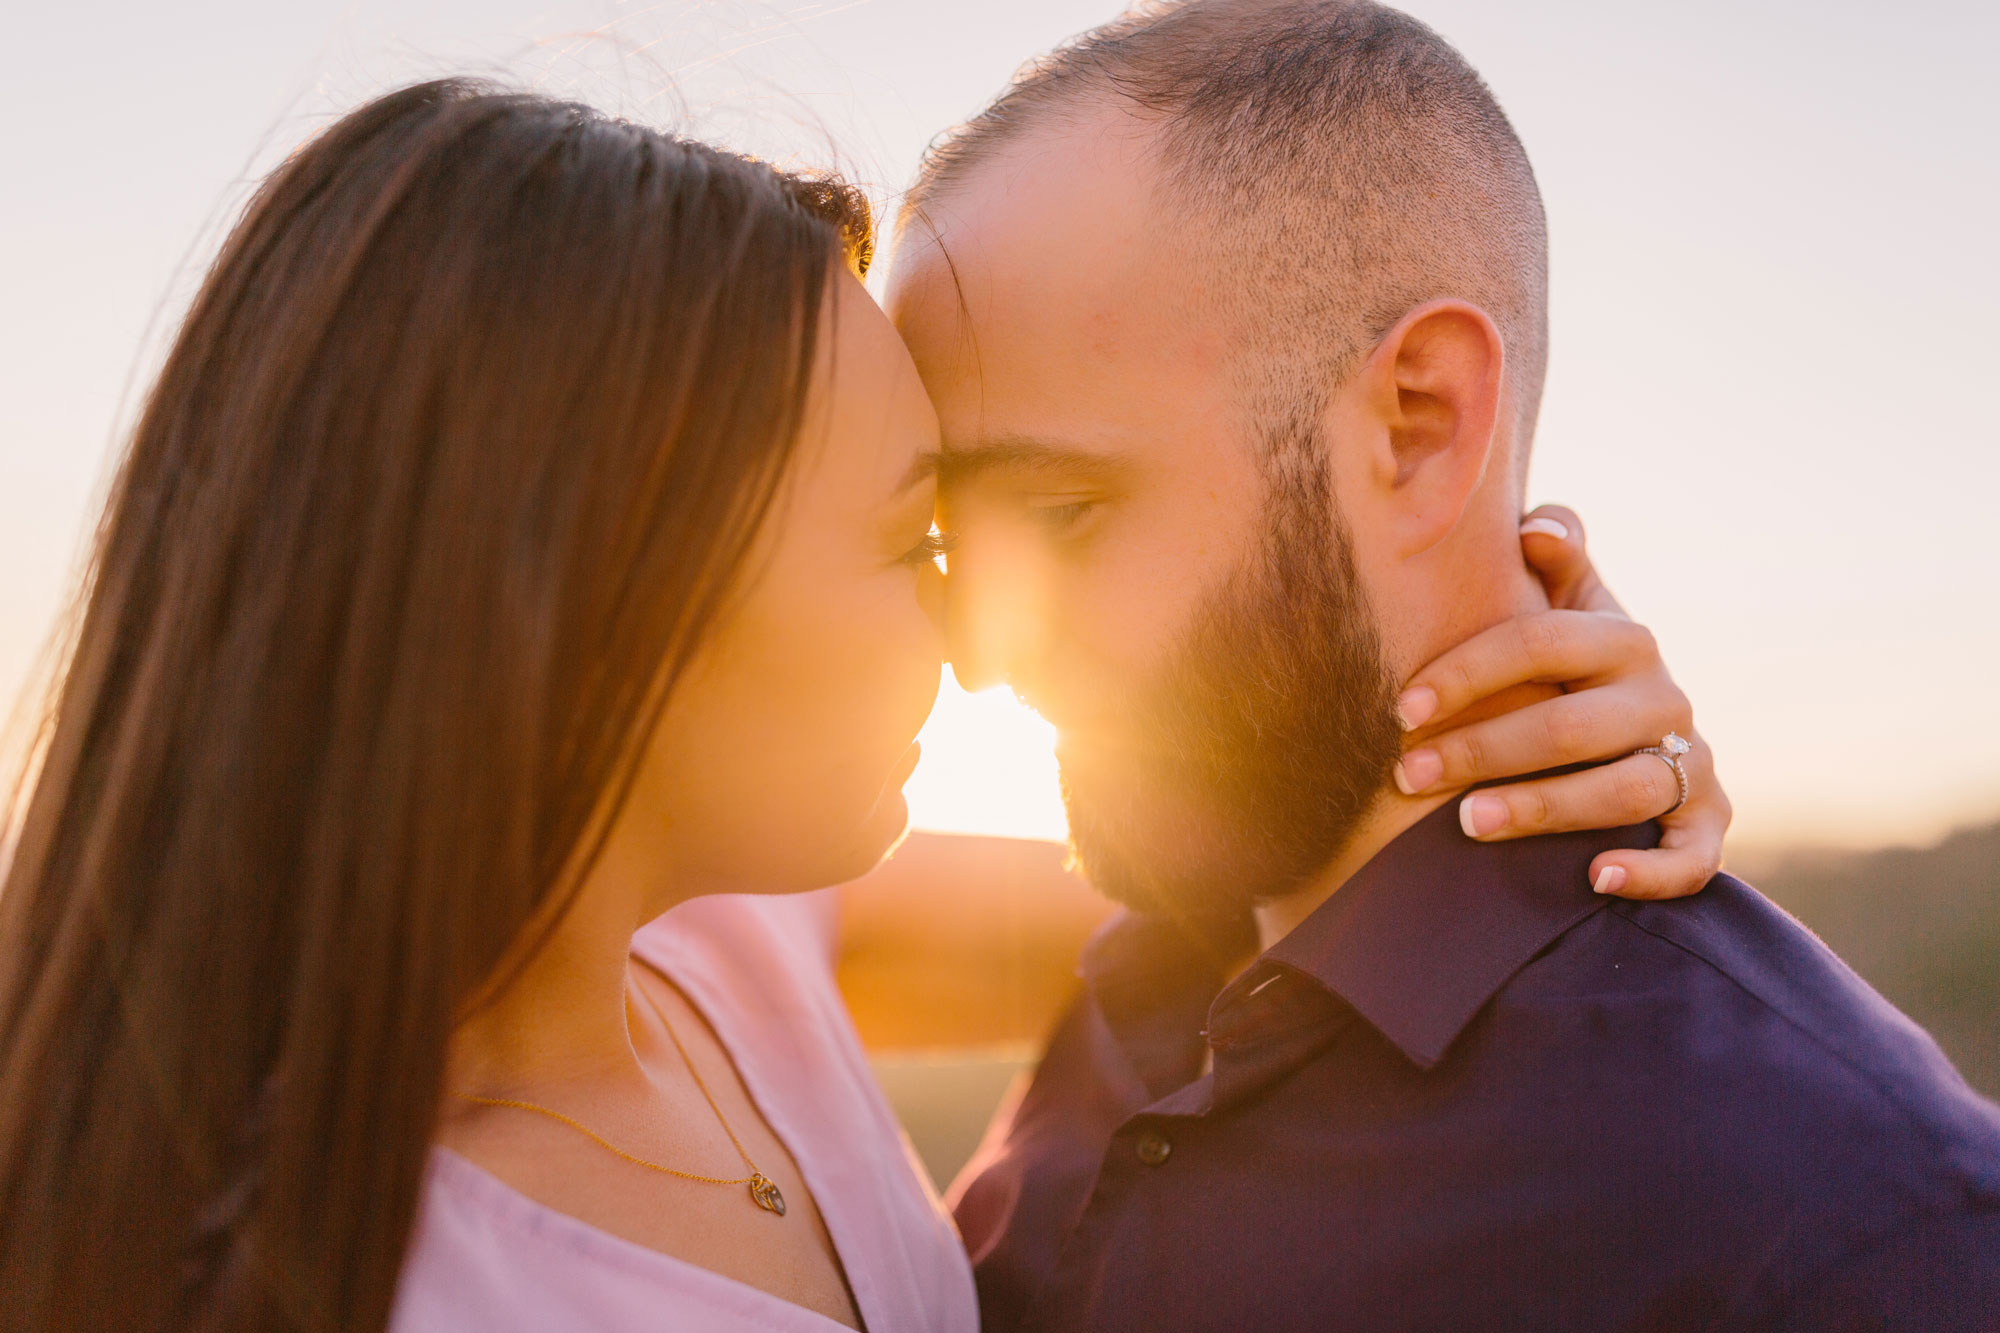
x=995, y=617
x=975, y=660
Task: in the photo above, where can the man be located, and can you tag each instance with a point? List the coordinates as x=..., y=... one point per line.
x=1234, y=312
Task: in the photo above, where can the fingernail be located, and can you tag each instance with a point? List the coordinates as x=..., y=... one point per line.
x=1419, y=771
x=1610, y=879
x=1416, y=706
x=1481, y=815
x=1545, y=527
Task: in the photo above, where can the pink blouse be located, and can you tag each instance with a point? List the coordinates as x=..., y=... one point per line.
x=486, y=1257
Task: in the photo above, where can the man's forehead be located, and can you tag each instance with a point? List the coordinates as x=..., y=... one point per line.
x=1045, y=287
x=1060, y=229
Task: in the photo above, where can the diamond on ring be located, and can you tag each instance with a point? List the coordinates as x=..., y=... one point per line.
x=1669, y=751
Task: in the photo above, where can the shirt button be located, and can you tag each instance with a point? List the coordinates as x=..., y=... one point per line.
x=1153, y=1149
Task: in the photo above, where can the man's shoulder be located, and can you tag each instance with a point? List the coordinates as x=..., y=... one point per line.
x=1843, y=1032
x=1762, y=1040
x=1711, y=1066
x=1737, y=933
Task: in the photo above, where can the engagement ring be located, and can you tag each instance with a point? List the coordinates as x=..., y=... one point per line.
x=1669, y=751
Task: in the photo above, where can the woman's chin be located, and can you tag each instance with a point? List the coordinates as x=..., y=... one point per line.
x=881, y=833
x=888, y=825
x=874, y=838
x=868, y=840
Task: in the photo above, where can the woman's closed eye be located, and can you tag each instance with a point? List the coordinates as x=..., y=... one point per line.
x=935, y=545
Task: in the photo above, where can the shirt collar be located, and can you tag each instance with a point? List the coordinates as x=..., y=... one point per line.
x=1430, y=929
x=1140, y=965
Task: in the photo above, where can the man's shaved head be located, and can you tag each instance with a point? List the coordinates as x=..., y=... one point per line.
x=1339, y=162
x=1203, y=527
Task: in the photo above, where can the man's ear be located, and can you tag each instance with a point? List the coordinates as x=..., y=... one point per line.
x=1429, y=398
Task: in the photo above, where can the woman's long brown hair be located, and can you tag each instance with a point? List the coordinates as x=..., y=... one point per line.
x=457, y=453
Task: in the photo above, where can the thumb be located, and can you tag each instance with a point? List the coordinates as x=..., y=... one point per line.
x=1552, y=543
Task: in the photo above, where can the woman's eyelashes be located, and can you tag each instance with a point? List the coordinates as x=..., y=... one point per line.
x=936, y=545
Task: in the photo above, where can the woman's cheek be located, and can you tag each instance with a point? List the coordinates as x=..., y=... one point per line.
x=878, y=679
x=829, y=692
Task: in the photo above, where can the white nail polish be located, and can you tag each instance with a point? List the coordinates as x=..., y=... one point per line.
x=1608, y=879
x=1545, y=527
x=1465, y=818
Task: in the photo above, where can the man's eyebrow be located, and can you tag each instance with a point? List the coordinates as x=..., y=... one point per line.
x=958, y=465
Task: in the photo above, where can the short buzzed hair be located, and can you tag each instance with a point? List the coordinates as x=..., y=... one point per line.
x=1347, y=161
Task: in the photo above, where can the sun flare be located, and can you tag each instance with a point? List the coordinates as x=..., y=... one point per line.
x=989, y=766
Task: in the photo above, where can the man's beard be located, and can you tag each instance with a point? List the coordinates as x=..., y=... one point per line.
x=1249, y=762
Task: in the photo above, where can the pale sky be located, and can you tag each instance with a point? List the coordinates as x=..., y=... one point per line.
x=1772, y=391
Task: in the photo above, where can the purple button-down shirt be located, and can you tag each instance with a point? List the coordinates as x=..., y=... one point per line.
x=1468, y=1093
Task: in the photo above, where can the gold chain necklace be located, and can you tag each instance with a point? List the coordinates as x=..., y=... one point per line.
x=762, y=1191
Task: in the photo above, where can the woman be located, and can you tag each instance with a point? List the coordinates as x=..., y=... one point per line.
x=529, y=532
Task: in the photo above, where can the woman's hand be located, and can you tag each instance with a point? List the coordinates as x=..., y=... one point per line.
x=1617, y=698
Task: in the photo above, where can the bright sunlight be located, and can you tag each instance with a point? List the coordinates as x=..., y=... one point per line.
x=989, y=766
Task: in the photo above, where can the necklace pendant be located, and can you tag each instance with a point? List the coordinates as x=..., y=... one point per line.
x=766, y=1195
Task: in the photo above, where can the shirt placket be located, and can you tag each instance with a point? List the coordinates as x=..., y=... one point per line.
x=1260, y=1028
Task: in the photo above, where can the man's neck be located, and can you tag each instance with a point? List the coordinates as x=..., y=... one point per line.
x=1388, y=818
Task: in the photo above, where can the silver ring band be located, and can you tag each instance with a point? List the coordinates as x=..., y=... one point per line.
x=1669, y=751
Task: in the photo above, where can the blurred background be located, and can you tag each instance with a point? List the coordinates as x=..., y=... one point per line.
x=1771, y=393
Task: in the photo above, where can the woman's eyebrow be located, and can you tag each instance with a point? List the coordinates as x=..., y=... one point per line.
x=1033, y=457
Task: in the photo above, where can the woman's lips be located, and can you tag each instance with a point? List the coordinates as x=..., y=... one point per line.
x=892, y=788
x=905, y=766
